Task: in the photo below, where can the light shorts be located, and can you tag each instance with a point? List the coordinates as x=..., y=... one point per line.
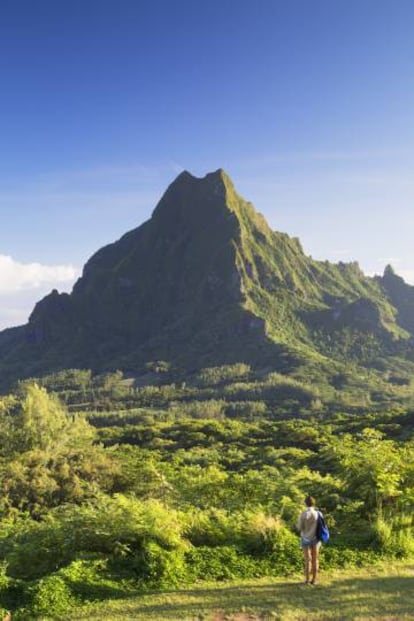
x=309, y=543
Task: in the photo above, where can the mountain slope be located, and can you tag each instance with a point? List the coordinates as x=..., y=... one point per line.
x=401, y=296
x=205, y=281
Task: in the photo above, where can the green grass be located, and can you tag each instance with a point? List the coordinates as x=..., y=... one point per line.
x=380, y=593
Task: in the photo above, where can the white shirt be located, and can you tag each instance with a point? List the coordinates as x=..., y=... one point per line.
x=307, y=523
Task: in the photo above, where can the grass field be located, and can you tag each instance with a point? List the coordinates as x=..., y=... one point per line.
x=381, y=593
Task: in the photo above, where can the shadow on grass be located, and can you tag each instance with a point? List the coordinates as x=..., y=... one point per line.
x=390, y=598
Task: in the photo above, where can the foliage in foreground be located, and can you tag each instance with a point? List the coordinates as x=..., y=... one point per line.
x=164, y=502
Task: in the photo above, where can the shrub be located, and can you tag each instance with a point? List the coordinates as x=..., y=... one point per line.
x=95, y=578
x=221, y=563
x=214, y=376
x=282, y=549
x=114, y=527
x=255, y=534
x=210, y=409
x=51, y=596
x=158, y=568
x=394, y=536
x=334, y=556
x=246, y=410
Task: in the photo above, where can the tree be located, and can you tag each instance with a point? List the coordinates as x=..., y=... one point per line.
x=46, y=456
x=372, y=469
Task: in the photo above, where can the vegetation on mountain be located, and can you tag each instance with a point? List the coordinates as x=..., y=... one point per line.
x=205, y=282
x=162, y=423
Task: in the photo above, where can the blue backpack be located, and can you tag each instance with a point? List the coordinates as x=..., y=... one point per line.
x=322, y=532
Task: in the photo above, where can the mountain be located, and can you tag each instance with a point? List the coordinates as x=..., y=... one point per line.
x=401, y=296
x=206, y=282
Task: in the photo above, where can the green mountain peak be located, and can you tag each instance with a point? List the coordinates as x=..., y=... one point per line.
x=389, y=271
x=205, y=281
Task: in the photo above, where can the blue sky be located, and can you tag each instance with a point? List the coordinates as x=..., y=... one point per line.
x=308, y=105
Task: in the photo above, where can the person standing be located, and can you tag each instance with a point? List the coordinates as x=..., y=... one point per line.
x=307, y=526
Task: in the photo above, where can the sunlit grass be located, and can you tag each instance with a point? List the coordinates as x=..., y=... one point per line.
x=381, y=593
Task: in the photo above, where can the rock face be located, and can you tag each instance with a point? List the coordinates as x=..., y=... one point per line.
x=401, y=296
x=205, y=281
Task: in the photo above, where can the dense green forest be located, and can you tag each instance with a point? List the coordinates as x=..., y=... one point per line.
x=113, y=483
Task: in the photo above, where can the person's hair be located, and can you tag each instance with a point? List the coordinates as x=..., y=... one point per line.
x=310, y=501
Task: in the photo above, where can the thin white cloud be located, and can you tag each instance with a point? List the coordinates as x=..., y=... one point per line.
x=15, y=276
x=390, y=260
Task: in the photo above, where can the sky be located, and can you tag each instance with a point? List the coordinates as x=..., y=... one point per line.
x=307, y=104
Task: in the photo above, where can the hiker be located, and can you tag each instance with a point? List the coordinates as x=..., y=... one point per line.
x=307, y=525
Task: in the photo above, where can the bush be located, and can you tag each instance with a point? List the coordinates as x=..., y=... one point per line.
x=112, y=526
x=221, y=563
x=284, y=552
x=51, y=596
x=95, y=579
x=158, y=568
x=214, y=376
x=246, y=410
x=258, y=536
x=334, y=556
x=394, y=536
x=210, y=409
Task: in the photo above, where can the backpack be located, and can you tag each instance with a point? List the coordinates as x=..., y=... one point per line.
x=322, y=532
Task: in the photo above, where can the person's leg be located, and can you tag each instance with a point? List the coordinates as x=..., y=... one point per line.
x=306, y=558
x=315, y=562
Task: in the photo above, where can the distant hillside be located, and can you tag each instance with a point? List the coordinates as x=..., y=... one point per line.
x=206, y=282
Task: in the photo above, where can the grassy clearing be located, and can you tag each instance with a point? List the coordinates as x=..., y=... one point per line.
x=380, y=593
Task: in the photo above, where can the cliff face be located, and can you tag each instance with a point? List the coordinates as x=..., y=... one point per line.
x=401, y=295
x=206, y=281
